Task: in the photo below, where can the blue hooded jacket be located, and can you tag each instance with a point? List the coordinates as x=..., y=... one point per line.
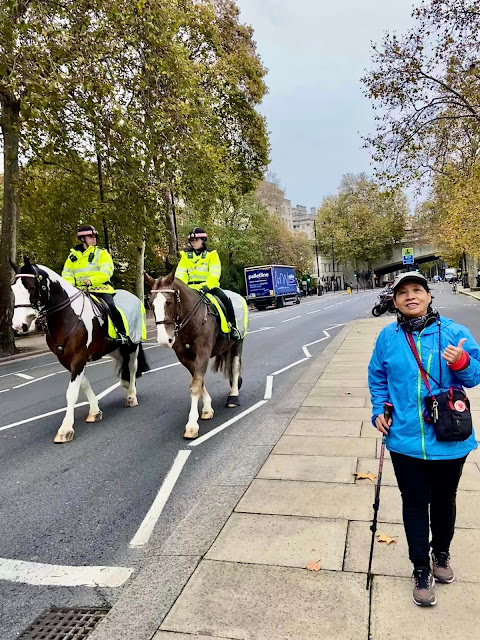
x=394, y=376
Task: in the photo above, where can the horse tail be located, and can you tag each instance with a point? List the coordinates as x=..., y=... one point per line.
x=224, y=361
x=142, y=362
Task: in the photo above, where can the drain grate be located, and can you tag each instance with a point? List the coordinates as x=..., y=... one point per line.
x=64, y=624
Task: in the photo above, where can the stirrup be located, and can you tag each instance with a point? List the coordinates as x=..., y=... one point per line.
x=121, y=338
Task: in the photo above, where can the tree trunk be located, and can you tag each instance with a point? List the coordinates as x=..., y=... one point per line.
x=139, y=269
x=10, y=124
x=171, y=227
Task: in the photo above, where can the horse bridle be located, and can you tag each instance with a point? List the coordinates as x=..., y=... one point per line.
x=178, y=326
x=41, y=312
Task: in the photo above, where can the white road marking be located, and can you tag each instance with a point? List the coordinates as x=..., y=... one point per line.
x=165, y=366
x=55, y=575
x=262, y=329
x=4, y=390
x=268, y=388
x=49, y=375
x=316, y=310
x=329, y=306
x=42, y=415
x=294, y=364
x=145, y=530
x=294, y=318
x=213, y=432
x=24, y=376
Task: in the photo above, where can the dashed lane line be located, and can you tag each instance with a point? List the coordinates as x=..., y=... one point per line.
x=290, y=319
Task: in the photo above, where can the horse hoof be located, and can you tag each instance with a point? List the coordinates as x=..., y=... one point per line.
x=94, y=417
x=131, y=402
x=191, y=433
x=232, y=402
x=207, y=415
x=65, y=436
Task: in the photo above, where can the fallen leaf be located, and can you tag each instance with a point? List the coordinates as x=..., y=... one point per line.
x=383, y=537
x=366, y=476
x=313, y=566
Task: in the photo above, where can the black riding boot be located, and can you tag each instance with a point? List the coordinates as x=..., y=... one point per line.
x=227, y=303
x=115, y=315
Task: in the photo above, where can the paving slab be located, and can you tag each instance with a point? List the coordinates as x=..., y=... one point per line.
x=334, y=413
x=247, y=602
x=309, y=468
x=330, y=446
x=394, y=616
x=286, y=541
x=171, y=635
x=324, y=428
x=313, y=499
x=369, y=431
x=342, y=384
x=325, y=401
x=340, y=392
x=392, y=559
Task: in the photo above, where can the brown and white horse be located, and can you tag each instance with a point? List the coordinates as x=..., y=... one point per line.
x=76, y=333
x=185, y=324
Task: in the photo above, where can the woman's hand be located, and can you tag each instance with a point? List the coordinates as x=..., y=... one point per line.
x=382, y=424
x=453, y=354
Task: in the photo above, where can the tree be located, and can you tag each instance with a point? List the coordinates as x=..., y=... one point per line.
x=362, y=219
x=425, y=85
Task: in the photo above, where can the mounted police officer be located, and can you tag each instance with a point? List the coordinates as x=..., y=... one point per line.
x=90, y=267
x=200, y=268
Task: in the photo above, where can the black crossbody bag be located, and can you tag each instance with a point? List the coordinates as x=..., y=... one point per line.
x=449, y=411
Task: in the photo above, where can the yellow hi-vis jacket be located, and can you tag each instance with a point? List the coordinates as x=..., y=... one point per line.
x=93, y=264
x=199, y=270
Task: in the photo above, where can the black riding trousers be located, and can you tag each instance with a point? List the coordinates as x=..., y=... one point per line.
x=114, y=312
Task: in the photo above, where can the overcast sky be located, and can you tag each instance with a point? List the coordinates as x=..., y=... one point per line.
x=316, y=51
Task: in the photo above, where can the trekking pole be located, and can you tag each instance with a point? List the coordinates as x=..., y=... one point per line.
x=387, y=412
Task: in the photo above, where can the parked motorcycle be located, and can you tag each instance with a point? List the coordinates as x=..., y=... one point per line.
x=384, y=303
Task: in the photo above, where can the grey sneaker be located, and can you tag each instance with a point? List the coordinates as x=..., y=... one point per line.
x=442, y=570
x=423, y=591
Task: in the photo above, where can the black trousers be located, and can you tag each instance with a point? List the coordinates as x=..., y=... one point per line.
x=227, y=303
x=424, y=484
x=114, y=312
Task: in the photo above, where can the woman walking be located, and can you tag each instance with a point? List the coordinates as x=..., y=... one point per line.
x=415, y=361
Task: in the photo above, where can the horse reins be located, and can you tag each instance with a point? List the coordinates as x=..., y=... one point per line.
x=178, y=326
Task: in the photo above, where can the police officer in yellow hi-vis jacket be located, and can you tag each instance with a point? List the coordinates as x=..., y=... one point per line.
x=200, y=268
x=89, y=266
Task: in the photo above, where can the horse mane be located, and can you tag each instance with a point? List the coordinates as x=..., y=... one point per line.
x=54, y=277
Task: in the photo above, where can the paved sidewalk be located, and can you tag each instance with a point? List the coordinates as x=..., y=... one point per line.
x=306, y=505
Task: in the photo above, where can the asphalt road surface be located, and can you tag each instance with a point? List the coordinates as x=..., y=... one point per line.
x=81, y=504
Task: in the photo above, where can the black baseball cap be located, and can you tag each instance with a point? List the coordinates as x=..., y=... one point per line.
x=410, y=276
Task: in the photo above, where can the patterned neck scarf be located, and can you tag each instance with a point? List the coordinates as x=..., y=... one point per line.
x=418, y=324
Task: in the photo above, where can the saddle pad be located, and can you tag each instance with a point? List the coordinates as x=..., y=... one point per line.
x=240, y=308
x=133, y=314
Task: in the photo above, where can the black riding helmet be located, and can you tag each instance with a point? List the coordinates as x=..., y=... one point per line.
x=198, y=232
x=86, y=230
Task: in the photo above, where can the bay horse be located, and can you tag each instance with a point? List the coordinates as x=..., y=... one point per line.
x=76, y=332
x=186, y=324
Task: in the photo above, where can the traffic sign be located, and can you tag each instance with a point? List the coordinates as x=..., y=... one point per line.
x=407, y=255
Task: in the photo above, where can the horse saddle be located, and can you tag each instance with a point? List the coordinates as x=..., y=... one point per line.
x=132, y=312
x=240, y=309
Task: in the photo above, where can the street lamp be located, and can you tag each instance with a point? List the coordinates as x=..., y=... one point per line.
x=316, y=257
x=333, y=264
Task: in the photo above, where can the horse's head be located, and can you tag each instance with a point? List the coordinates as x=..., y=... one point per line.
x=164, y=300
x=30, y=290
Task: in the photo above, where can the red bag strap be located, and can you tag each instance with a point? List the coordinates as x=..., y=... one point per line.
x=423, y=373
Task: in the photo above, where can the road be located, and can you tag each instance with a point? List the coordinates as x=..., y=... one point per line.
x=83, y=503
